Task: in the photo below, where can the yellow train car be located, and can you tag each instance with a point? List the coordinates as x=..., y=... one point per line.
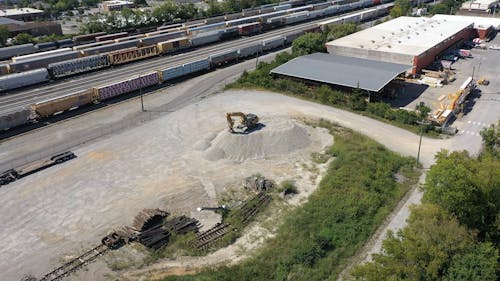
x=132, y=54
x=59, y=104
x=173, y=45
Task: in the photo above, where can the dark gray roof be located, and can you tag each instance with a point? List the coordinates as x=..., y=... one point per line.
x=345, y=71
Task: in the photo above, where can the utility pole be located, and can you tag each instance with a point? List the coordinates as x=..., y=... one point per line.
x=422, y=124
x=257, y=60
x=140, y=93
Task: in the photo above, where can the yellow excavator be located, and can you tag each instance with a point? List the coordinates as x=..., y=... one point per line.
x=247, y=122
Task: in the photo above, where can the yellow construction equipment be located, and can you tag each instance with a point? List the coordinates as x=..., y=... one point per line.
x=483, y=81
x=247, y=122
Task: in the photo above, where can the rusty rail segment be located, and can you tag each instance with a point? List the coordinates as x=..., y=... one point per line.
x=75, y=264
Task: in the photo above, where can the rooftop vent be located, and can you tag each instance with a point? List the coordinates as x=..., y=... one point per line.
x=383, y=37
x=361, y=46
x=399, y=41
x=389, y=46
x=373, y=41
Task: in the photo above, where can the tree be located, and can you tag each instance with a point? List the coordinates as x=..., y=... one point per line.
x=423, y=110
x=468, y=188
x=23, y=38
x=341, y=30
x=420, y=251
x=401, y=8
x=491, y=138
x=480, y=263
x=4, y=35
x=308, y=43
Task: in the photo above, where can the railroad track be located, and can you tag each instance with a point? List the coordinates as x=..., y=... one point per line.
x=213, y=234
x=77, y=263
x=40, y=92
x=253, y=206
x=249, y=210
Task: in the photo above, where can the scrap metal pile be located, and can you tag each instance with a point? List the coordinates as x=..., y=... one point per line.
x=152, y=229
x=157, y=235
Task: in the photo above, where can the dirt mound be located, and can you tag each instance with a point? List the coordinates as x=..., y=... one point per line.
x=276, y=137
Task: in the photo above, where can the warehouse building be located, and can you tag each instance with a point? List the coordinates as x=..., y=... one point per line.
x=22, y=14
x=479, y=7
x=35, y=28
x=414, y=41
x=484, y=26
x=115, y=5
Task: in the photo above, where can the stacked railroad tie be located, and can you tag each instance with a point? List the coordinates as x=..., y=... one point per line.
x=154, y=233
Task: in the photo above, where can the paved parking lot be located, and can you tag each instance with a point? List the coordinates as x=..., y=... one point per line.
x=484, y=63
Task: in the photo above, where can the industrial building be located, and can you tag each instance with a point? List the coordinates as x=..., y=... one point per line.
x=484, y=26
x=479, y=7
x=23, y=14
x=115, y=5
x=343, y=71
x=35, y=28
x=414, y=41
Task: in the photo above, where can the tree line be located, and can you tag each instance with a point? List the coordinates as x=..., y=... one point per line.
x=454, y=234
x=168, y=12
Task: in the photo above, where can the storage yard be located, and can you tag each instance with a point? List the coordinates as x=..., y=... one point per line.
x=177, y=163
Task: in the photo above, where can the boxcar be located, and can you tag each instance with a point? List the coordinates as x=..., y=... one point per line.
x=62, y=103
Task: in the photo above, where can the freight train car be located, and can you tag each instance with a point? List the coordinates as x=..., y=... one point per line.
x=4, y=68
x=18, y=80
x=16, y=117
x=249, y=28
x=40, y=54
x=154, y=39
x=250, y=50
x=8, y=52
x=77, y=66
x=132, y=54
x=46, y=46
x=173, y=45
x=114, y=89
x=64, y=103
x=112, y=36
x=273, y=43
x=41, y=62
x=110, y=47
x=65, y=43
x=205, y=38
x=87, y=38
x=224, y=57
x=92, y=45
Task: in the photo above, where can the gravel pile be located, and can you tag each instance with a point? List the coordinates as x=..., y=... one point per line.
x=276, y=137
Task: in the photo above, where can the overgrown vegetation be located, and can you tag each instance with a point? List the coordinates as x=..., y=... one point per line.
x=455, y=234
x=316, y=239
x=354, y=100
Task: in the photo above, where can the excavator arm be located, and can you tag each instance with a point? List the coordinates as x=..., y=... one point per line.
x=230, y=122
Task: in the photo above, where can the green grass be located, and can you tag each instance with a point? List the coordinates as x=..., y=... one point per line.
x=317, y=239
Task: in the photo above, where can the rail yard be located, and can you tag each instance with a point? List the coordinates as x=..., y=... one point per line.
x=19, y=103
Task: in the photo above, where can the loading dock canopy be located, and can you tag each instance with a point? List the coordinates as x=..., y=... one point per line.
x=344, y=71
